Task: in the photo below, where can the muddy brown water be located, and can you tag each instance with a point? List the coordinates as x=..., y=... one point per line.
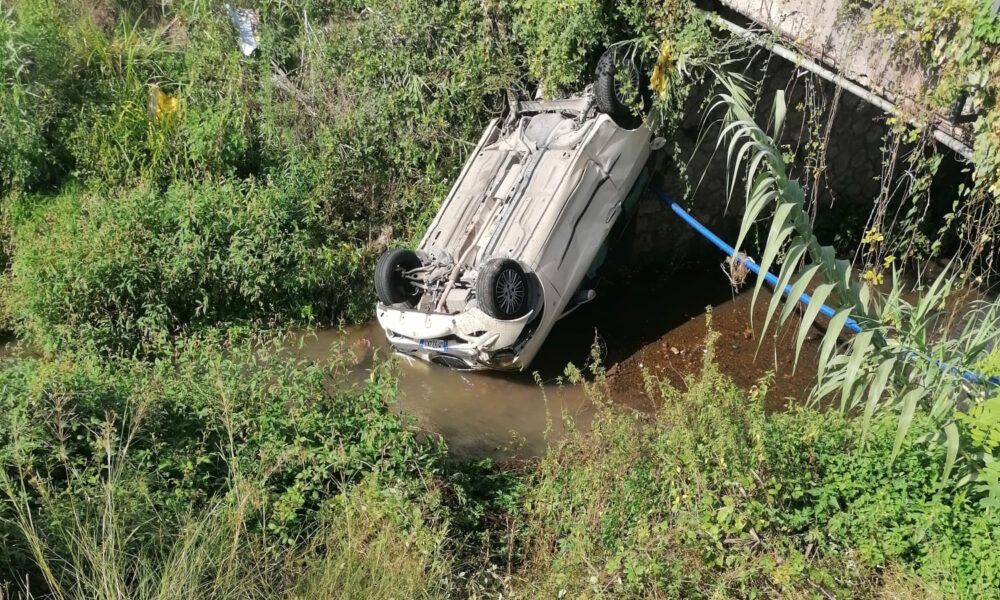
x=479, y=414
x=654, y=323
x=8, y=345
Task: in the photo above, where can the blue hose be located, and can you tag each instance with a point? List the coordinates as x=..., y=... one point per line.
x=804, y=298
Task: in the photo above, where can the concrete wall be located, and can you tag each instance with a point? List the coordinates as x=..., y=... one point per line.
x=848, y=186
x=858, y=147
x=842, y=40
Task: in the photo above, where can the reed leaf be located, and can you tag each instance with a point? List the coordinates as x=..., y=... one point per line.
x=819, y=298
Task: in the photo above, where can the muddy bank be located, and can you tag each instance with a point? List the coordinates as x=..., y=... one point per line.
x=678, y=354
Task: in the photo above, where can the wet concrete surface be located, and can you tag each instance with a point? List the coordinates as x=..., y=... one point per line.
x=653, y=321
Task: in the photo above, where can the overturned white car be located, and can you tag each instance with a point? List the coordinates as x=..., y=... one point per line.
x=516, y=244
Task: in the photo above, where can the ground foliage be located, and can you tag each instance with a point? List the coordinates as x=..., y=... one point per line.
x=255, y=475
x=193, y=475
x=136, y=130
x=710, y=497
x=131, y=128
x=157, y=185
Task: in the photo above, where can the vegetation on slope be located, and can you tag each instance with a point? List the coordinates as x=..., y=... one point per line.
x=710, y=497
x=257, y=476
x=209, y=474
x=165, y=199
x=158, y=179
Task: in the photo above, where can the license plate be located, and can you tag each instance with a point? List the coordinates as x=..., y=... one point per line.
x=441, y=345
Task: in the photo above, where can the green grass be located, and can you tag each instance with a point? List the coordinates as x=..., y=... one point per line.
x=371, y=542
x=247, y=474
x=269, y=190
x=123, y=270
x=155, y=180
x=166, y=445
x=709, y=497
x=229, y=469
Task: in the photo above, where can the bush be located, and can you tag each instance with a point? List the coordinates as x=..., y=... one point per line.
x=130, y=268
x=711, y=498
x=563, y=39
x=156, y=183
x=341, y=133
x=371, y=541
x=230, y=449
x=162, y=442
x=32, y=86
x=199, y=186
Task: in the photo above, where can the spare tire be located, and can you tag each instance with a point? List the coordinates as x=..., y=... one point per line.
x=391, y=285
x=621, y=87
x=503, y=289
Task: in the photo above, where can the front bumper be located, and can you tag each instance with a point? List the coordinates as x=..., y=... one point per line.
x=468, y=340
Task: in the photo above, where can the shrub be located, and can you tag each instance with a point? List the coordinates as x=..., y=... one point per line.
x=380, y=111
x=711, y=498
x=232, y=469
x=163, y=441
x=562, y=39
x=848, y=493
x=127, y=269
x=200, y=186
x=372, y=541
x=32, y=89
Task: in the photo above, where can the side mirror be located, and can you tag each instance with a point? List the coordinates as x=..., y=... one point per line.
x=657, y=144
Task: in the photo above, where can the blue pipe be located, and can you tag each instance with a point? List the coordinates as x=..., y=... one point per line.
x=746, y=260
x=804, y=298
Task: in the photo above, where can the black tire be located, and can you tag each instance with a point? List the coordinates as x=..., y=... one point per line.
x=504, y=289
x=611, y=96
x=391, y=286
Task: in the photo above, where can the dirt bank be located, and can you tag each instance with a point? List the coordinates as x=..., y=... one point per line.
x=656, y=321
x=679, y=352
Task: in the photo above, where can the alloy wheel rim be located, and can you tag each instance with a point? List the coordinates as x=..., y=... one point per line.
x=510, y=291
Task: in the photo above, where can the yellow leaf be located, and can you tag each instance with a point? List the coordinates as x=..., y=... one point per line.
x=161, y=104
x=664, y=64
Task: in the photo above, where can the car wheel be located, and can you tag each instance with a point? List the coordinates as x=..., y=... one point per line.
x=620, y=88
x=503, y=289
x=391, y=285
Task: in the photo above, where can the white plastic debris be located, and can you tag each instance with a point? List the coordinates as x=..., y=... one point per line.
x=246, y=21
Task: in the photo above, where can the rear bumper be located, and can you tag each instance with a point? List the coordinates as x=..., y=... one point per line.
x=468, y=340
